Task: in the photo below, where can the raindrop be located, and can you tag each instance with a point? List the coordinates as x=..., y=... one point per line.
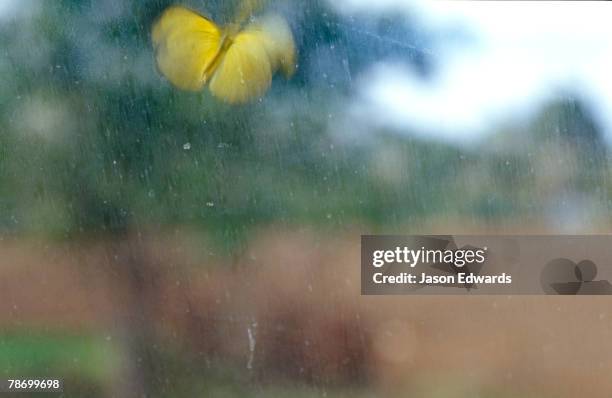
x=252, y=335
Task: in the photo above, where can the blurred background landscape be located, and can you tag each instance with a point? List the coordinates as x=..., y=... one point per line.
x=164, y=244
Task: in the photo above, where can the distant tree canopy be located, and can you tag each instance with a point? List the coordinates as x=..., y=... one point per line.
x=93, y=139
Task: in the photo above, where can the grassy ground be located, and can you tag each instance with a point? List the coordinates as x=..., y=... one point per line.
x=84, y=362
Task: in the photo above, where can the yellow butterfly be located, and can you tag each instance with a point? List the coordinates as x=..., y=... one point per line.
x=237, y=63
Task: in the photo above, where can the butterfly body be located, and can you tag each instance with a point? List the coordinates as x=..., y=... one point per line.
x=237, y=63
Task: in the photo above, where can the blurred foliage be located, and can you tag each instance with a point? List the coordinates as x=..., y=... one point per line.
x=93, y=139
x=85, y=363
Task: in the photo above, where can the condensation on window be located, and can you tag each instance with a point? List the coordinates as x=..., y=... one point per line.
x=183, y=186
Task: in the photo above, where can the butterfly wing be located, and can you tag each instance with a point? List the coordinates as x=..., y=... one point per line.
x=244, y=72
x=246, y=69
x=186, y=44
x=279, y=43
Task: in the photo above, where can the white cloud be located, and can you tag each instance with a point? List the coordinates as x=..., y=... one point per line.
x=525, y=52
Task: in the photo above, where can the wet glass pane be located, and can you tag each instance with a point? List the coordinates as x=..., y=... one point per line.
x=183, y=188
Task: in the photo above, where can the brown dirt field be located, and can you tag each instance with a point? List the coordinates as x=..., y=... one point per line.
x=298, y=294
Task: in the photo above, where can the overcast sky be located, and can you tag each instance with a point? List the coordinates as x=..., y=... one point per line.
x=523, y=54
